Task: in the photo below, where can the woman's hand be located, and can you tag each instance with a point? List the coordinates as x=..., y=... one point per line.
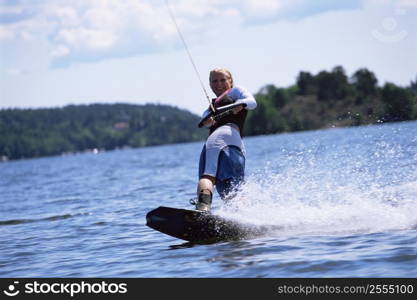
x=209, y=122
x=237, y=109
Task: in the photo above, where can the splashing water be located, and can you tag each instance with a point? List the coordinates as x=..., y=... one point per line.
x=368, y=184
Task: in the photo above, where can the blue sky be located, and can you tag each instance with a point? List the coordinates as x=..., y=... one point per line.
x=59, y=52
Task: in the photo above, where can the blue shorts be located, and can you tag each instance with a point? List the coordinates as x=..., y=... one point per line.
x=230, y=169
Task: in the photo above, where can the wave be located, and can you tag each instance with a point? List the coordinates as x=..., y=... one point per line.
x=51, y=218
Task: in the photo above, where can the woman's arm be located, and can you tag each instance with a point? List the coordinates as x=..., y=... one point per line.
x=243, y=96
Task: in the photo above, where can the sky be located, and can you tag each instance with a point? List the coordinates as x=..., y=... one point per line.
x=59, y=52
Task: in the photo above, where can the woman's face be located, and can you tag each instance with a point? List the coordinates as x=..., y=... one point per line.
x=219, y=83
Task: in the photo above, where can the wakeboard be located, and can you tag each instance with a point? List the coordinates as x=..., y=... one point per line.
x=198, y=226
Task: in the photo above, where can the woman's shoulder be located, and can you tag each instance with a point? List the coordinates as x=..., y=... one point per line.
x=237, y=88
x=239, y=92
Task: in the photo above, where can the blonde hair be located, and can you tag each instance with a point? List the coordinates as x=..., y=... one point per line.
x=222, y=71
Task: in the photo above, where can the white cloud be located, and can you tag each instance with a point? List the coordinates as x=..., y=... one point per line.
x=84, y=30
x=66, y=16
x=6, y=34
x=14, y=71
x=407, y=3
x=86, y=38
x=60, y=51
x=391, y=3
x=262, y=8
x=11, y=10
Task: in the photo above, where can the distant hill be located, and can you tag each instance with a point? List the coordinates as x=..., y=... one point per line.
x=26, y=133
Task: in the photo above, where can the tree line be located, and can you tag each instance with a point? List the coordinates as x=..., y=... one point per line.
x=327, y=99
x=330, y=99
x=26, y=133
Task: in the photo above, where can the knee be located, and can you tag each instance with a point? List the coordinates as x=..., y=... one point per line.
x=209, y=178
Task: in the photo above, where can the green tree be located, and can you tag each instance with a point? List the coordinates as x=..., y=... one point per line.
x=306, y=83
x=365, y=84
x=280, y=98
x=400, y=104
x=332, y=85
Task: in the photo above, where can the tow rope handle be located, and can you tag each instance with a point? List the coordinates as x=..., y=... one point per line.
x=220, y=113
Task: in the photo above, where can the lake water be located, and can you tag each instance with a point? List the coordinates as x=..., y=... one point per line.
x=345, y=201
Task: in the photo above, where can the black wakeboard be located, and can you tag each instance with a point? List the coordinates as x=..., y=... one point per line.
x=197, y=226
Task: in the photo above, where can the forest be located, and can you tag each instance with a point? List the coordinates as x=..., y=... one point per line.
x=331, y=99
x=324, y=100
x=27, y=133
